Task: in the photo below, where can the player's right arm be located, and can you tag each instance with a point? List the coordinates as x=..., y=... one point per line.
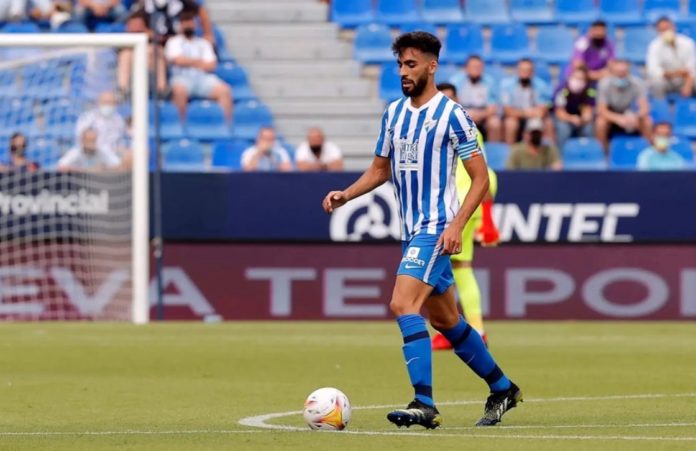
x=376, y=175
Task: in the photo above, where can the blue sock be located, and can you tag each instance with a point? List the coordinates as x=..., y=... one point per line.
x=418, y=356
x=469, y=347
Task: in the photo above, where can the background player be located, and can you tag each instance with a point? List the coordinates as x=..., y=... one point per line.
x=480, y=227
x=421, y=137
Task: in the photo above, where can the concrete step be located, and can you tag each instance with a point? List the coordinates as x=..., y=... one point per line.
x=356, y=164
x=365, y=150
x=326, y=107
x=308, y=88
x=304, y=50
x=289, y=32
x=333, y=127
x=320, y=69
x=246, y=12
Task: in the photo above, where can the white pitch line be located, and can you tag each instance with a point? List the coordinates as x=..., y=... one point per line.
x=577, y=426
x=184, y=432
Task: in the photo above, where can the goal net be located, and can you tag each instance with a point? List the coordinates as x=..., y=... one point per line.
x=73, y=178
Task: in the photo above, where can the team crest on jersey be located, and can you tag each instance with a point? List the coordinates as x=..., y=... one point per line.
x=408, y=154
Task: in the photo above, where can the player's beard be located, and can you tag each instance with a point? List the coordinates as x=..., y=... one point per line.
x=417, y=88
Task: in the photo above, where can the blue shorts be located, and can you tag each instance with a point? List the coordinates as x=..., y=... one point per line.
x=422, y=260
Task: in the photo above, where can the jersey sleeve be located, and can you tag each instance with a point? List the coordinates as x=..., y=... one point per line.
x=383, y=146
x=463, y=134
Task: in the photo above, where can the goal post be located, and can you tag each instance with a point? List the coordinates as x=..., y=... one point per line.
x=139, y=192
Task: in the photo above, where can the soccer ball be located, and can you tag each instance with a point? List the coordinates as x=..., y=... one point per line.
x=327, y=409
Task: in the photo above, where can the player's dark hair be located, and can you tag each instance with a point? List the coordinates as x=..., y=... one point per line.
x=473, y=58
x=421, y=40
x=599, y=23
x=16, y=135
x=662, y=19
x=445, y=85
x=526, y=60
x=187, y=15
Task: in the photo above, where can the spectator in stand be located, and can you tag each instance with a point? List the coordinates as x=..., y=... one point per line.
x=192, y=60
x=573, y=105
x=170, y=12
x=533, y=153
x=318, y=154
x=523, y=98
x=88, y=156
x=90, y=12
x=17, y=160
x=659, y=156
x=12, y=10
x=108, y=124
x=593, y=51
x=477, y=94
x=671, y=62
x=266, y=154
x=137, y=23
x=622, y=105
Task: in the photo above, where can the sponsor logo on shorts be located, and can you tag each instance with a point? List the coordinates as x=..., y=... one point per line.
x=412, y=257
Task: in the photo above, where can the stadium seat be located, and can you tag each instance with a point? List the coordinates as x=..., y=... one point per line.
x=235, y=76
x=497, y=71
x=583, y=154
x=446, y=72
x=531, y=11
x=72, y=27
x=397, y=12
x=636, y=42
x=21, y=27
x=543, y=71
x=660, y=111
x=205, y=121
x=621, y=12
x=682, y=146
x=654, y=9
x=390, y=83
x=576, y=12
x=183, y=155
x=8, y=83
x=487, y=12
x=509, y=43
x=684, y=123
x=44, y=151
x=249, y=117
x=496, y=155
x=228, y=153
x=352, y=13
x=105, y=27
x=554, y=44
x=461, y=42
x=170, y=124
x=691, y=9
x=624, y=151
x=442, y=11
x=373, y=44
x=423, y=26
x=60, y=118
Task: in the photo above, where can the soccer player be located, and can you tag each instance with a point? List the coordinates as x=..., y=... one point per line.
x=480, y=227
x=422, y=136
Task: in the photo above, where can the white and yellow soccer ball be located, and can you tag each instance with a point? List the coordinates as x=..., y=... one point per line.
x=327, y=409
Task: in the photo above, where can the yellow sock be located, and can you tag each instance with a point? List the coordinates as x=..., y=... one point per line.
x=470, y=297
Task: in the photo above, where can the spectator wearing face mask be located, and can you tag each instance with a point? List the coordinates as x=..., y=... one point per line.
x=573, y=106
x=593, y=51
x=266, y=155
x=106, y=121
x=533, y=152
x=659, y=156
x=318, y=154
x=88, y=156
x=17, y=160
x=671, y=62
x=622, y=105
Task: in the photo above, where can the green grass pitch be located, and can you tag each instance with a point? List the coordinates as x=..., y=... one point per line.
x=185, y=386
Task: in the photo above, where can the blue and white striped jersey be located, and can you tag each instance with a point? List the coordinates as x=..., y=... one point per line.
x=423, y=145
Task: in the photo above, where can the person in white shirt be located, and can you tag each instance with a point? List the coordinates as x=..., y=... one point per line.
x=107, y=122
x=317, y=154
x=192, y=61
x=671, y=63
x=266, y=154
x=87, y=156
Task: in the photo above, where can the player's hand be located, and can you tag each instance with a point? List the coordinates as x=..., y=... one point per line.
x=450, y=242
x=334, y=200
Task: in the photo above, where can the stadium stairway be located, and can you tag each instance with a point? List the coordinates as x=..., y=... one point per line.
x=299, y=66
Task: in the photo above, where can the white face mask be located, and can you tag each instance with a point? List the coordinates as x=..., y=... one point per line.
x=576, y=85
x=661, y=142
x=160, y=3
x=106, y=110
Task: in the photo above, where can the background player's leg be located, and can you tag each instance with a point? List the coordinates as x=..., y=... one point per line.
x=469, y=294
x=407, y=299
x=467, y=343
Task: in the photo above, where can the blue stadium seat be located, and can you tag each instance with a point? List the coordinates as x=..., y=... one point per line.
x=72, y=27
x=351, y=13
x=8, y=83
x=206, y=121
x=684, y=123
x=170, y=123
x=583, y=154
x=44, y=81
x=461, y=42
x=105, y=27
x=373, y=44
x=60, y=117
x=21, y=27
x=531, y=11
x=228, y=153
x=446, y=72
x=183, y=155
x=624, y=151
x=496, y=155
x=397, y=12
x=509, y=43
x=554, y=44
x=497, y=71
x=408, y=27
x=234, y=75
x=249, y=117
x=44, y=151
x=660, y=111
x=691, y=9
x=636, y=42
x=16, y=115
x=390, y=83
x=576, y=12
x=487, y=12
x=654, y=9
x=682, y=146
x=621, y=12
x=543, y=71
x=442, y=11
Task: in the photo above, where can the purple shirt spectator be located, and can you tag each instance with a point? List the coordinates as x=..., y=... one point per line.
x=593, y=50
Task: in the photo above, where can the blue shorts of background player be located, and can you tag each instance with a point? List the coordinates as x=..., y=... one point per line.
x=422, y=259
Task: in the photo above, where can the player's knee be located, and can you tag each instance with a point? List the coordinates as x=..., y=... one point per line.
x=400, y=307
x=444, y=321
